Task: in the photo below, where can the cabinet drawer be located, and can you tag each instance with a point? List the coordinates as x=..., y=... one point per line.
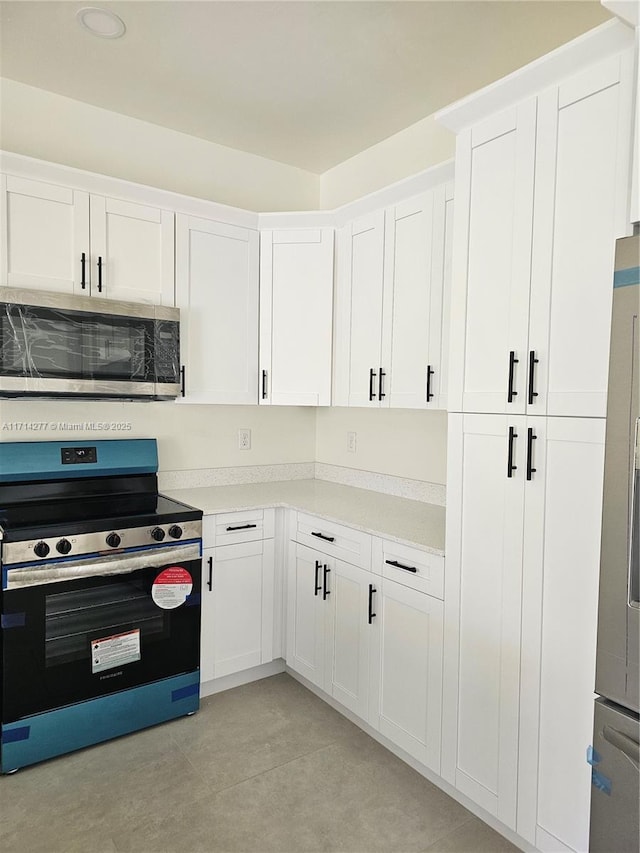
x=346, y=544
x=409, y=566
x=231, y=527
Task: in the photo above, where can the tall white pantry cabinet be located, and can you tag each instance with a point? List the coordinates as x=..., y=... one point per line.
x=542, y=192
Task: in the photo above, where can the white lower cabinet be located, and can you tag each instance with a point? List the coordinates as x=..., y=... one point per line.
x=524, y=501
x=406, y=670
x=328, y=630
x=237, y=607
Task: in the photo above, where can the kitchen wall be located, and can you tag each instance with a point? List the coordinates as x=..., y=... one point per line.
x=397, y=442
x=189, y=437
x=48, y=126
x=413, y=149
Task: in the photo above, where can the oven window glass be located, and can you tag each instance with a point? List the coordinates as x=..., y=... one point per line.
x=75, y=619
x=44, y=342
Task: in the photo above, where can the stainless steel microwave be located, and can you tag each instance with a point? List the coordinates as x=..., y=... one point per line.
x=60, y=345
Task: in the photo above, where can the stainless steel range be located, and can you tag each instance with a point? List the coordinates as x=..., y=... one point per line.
x=100, y=601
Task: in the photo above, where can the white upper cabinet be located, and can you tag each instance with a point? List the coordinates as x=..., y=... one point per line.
x=131, y=251
x=45, y=236
x=391, y=314
x=217, y=292
x=63, y=239
x=542, y=194
x=296, y=305
x=359, y=309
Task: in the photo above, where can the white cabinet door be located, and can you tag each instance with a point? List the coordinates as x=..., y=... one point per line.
x=296, y=307
x=306, y=611
x=359, y=310
x=349, y=632
x=417, y=260
x=207, y=617
x=131, y=252
x=242, y=609
x=582, y=180
x=406, y=671
x=482, y=609
x=563, y=505
x=217, y=292
x=45, y=236
x=491, y=270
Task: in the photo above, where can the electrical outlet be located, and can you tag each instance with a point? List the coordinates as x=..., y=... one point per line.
x=244, y=439
x=351, y=441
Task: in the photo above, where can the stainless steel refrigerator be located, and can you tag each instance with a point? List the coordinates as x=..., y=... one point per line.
x=614, y=755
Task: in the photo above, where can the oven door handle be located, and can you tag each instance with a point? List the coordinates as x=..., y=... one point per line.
x=114, y=564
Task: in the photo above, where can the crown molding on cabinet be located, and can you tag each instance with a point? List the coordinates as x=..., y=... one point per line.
x=566, y=61
x=626, y=10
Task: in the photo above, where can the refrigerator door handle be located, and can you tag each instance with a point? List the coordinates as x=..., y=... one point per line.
x=628, y=746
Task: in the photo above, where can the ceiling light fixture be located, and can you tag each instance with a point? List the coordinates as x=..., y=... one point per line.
x=101, y=22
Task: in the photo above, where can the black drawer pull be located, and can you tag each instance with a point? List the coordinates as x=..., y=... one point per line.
x=322, y=536
x=83, y=266
x=264, y=384
x=512, y=362
x=183, y=384
x=242, y=527
x=530, y=439
x=398, y=565
x=325, y=591
x=99, y=275
x=317, y=584
x=372, y=615
x=372, y=379
x=532, y=369
x=381, y=393
x=430, y=394
x=210, y=581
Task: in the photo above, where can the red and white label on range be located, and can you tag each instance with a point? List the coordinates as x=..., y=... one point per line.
x=171, y=588
x=117, y=650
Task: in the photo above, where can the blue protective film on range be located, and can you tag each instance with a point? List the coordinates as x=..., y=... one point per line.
x=601, y=782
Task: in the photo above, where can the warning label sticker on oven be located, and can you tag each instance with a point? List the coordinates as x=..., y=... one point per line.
x=171, y=588
x=116, y=650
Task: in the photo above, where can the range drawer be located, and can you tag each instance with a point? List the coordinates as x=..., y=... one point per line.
x=231, y=527
x=409, y=566
x=344, y=543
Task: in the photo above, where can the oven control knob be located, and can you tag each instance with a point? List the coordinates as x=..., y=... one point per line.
x=175, y=531
x=113, y=540
x=158, y=534
x=63, y=546
x=41, y=549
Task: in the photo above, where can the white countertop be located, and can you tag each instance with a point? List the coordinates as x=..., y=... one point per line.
x=410, y=522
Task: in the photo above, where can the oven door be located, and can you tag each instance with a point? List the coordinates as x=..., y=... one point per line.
x=75, y=630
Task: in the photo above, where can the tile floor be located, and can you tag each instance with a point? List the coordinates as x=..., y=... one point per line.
x=264, y=767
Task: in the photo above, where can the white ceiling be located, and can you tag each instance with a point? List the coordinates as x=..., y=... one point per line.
x=305, y=83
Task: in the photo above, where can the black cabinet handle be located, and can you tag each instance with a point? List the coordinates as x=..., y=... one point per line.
x=381, y=393
x=430, y=372
x=210, y=581
x=398, y=565
x=317, y=585
x=182, y=381
x=372, y=589
x=322, y=536
x=83, y=267
x=242, y=527
x=264, y=384
x=530, y=439
x=372, y=379
x=325, y=591
x=512, y=362
x=99, y=274
x=532, y=369
x=510, y=466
